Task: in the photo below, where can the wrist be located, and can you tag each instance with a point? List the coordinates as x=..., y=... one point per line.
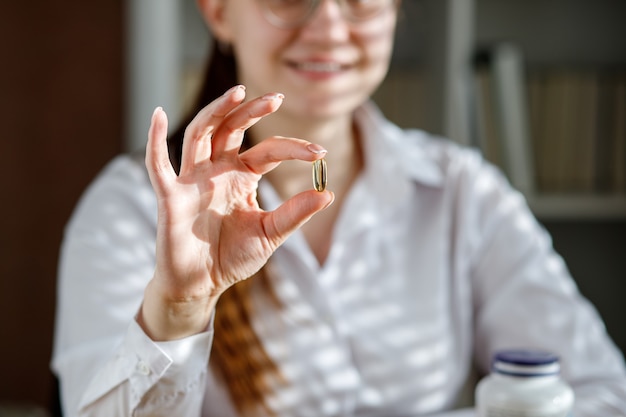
x=164, y=319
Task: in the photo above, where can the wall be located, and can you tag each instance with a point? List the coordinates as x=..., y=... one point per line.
x=61, y=111
x=594, y=252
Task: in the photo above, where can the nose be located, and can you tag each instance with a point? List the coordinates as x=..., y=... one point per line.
x=327, y=22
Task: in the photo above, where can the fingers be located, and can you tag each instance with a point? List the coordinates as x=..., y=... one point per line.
x=293, y=213
x=217, y=131
x=265, y=156
x=229, y=135
x=157, y=158
x=197, y=146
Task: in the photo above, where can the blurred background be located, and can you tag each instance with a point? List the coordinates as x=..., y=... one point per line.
x=538, y=86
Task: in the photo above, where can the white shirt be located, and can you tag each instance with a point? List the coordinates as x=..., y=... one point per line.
x=435, y=264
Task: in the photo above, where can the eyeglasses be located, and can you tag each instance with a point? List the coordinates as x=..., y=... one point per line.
x=290, y=14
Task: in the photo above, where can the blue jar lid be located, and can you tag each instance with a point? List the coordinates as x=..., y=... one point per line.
x=525, y=363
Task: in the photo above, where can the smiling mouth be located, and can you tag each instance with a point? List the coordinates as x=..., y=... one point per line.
x=324, y=67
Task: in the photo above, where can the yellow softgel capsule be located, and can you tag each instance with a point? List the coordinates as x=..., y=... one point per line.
x=319, y=175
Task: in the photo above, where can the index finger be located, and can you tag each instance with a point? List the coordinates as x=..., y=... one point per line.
x=197, y=144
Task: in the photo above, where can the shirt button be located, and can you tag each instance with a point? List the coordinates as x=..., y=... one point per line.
x=143, y=368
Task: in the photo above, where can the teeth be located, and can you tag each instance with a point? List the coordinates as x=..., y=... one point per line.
x=319, y=66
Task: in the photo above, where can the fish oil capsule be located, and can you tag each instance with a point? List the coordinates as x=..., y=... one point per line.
x=319, y=175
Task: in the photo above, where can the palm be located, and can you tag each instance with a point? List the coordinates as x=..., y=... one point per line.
x=215, y=229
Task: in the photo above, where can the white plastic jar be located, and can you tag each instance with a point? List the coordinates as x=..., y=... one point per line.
x=524, y=383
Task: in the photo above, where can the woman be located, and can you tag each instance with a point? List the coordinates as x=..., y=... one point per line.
x=418, y=265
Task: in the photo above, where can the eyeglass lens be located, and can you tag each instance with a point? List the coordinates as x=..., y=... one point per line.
x=292, y=13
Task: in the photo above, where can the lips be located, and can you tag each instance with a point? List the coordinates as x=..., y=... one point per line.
x=319, y=66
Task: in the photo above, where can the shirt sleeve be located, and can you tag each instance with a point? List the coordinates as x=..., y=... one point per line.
x=105, y=363
x=525, y=297
x=147, y=378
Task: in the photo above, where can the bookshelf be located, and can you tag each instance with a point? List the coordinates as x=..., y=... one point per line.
x=547, y=103
x=573, y=58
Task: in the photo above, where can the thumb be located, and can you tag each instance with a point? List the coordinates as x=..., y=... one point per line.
x=293, y=213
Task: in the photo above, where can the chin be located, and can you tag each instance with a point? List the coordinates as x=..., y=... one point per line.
x=330, y=107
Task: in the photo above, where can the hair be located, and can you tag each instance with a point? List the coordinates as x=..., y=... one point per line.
x=237, y=353
x=220, y=75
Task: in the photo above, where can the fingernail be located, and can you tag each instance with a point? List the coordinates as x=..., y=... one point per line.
x=316, y=149
x=157, y=110
x=331, y=201
x=234, y=89
x=273, y=96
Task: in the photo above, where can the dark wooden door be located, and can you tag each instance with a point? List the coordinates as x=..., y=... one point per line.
x=61, y=119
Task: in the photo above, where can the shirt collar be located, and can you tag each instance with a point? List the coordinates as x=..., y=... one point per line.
x=388, y=147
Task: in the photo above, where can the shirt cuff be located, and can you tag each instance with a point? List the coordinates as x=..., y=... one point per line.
x=177, y=362
x=142, y=363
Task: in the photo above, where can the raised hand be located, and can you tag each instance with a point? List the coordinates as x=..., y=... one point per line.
x=211, y=232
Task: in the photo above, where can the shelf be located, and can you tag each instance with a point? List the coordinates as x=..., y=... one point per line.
x=583, y=207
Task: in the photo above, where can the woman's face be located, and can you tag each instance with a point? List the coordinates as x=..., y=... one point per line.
x=325, y=68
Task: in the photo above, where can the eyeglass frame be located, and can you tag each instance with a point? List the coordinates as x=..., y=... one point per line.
x=314, y=6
